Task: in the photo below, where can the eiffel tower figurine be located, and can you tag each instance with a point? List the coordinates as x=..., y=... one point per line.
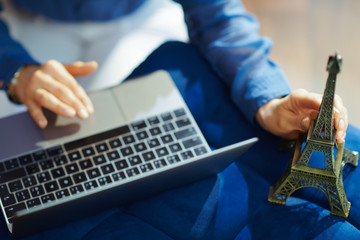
x=320, y=138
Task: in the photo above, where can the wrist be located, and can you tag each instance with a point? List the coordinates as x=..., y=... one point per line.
x=265, y=114
x=11, y=87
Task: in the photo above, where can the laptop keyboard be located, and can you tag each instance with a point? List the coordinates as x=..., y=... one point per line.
x=89, y=163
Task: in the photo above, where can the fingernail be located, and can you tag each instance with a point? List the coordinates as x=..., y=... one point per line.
x=341, y=134
x=341, y=124
x=83, y=113
x=42, y=123
x=304, y=123
x=70, y=112
x=90, y=108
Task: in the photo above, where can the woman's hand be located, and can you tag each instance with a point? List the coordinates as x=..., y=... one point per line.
x=53, y=86
x=289, y=116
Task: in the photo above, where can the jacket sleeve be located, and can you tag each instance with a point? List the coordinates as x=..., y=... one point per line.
x=228, y=37
x=12, y=55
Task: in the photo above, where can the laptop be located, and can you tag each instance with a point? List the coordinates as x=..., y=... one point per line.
x=141, y=140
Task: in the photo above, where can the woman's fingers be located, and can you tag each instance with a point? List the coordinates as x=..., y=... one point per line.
x=54, y=87
x=78, y=99
x=340, y=119
x=37, y=114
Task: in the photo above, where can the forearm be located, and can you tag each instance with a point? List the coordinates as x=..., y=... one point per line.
x=228, y=38
x=12, y=56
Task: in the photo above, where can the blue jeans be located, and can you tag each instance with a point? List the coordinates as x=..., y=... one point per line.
x=232, y=204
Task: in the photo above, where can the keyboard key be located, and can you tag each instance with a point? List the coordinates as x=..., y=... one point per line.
x=166, y=116
x=11, y=164
x=121, y=164
x=126, y=151
x=71, y=168
x=29, y=181
x=138, y=125
x=62, y=193
x=173, y=159
x=93, y=173
x=15, y=186
x=132, y=172
x=153, y=120
x=146, y=167
x=142, y=135
x=104, y=180
x=187, y=155
x=60, y=160
x=8, y=199
x=46, y=164
x=159, y=163
x=76, y=189
x=167, y=139
x=179, y=112
x=155, y=131
x=37, y=191
x=11, y=211
x=183, y=122
x=39, y=155
x=162, y=152
x=26, y=159
x=65, y=182
x=48, y=198
x=89, y=151
x=140, y=147
x=147, y=156
x=73, y=156
x=33, y=202
x=192, y=142
x=4, y=190
x=51, y=186
x=134, y=160
x=91, y=185
x=100, y=159
x=185, y=133
x=32, y=168
x=113, y=155
x=12, y=175
x=153, y=142
x=115, y=143
x=200, y=150
x=79, y=177
x=118, y=176
x=85, y=164
x=176, y=147
x=107, y=169
x=2, y=167
x=53, y=151
x=96, y=138
x=58, y=172
x=102, y=147
x=43, y=177
x=128, y=139
x=168, y=127
x=22, y=195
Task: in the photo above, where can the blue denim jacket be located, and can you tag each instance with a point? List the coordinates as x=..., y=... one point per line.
x=223, y=31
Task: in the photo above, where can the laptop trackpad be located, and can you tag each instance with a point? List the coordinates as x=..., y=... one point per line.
x=107, y=115
x=22, y=135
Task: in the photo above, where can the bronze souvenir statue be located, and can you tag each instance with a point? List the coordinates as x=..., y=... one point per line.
x=320, y=138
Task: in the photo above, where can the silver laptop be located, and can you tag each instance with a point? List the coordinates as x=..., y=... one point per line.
x=141, y=140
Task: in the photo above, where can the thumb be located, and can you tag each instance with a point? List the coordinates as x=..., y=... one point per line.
x=81, y=68
x=305, y=124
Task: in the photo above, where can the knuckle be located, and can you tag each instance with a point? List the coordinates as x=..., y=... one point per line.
x=36, y=75
x=40, y=96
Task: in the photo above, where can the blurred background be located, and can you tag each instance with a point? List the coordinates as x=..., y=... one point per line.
x=305, y=33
